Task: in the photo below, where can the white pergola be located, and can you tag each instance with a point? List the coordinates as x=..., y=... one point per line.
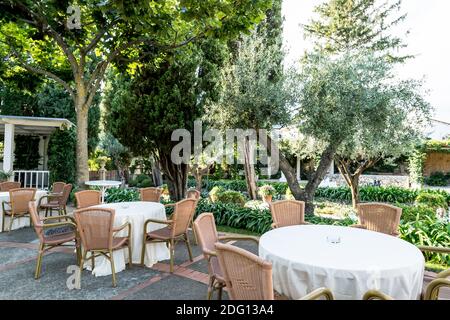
x=33, y=126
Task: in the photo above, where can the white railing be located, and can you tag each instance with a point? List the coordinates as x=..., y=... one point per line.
x=32, y=178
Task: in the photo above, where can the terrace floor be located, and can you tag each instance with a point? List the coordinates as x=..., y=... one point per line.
x=18, y=250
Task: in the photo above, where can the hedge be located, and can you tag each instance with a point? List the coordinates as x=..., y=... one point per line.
x=367, y=194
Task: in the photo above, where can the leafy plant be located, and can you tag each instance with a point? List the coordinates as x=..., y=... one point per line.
x=267, y=190
x=433, y=200
x=213, y=194
x=121, y=195
x=230, y=196
x=437, y=179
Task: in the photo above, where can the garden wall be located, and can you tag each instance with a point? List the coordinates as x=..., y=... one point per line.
x=435, y=162
x=336, y=180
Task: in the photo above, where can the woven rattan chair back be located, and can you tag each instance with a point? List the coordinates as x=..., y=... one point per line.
x=182, y=216
x=87, y=198
x=379, y=217
x=193, y=194
x=150, y=194
x=19, y=199
x=65, y=194
x=37, y=222
x=207, y=236
x=95, y=226
x=58, y=187
x=287, y=213
x=8, y=185
x=247, y=276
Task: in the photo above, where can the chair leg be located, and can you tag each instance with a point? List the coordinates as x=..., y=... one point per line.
x=83, y=257
x=113, y=268
x=93, y=261
x=3, y=222
x=210, y=288
x=193, y=231
x=188, y=245
x=144, y=243
x=46, y=212
x=37, y=273
x=78, y=251
x=219, y=293
x=130, y=254
x=11, y=220
x=172, y=253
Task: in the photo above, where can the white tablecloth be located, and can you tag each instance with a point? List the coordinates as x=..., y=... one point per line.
x=304, y=260
x=136, y=213
x=18, y=222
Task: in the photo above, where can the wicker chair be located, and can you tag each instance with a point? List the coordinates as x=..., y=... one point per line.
x=88, y=198
x=150, y=194
x=205, y=228
x=287, y=213
x=56, y=201
x=18, y=205
x=193, y=194
x=58, y=187
x=379, y=217
x=176, y=229
x=9, y=185
x=68, y=233
x=95, y=226
x=248, y=277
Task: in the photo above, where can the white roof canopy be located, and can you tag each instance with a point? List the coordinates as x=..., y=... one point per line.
x=33, y=125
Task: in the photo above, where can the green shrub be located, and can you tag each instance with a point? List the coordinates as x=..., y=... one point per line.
x=145, y=183
x=415, y=212
x=254, y=220
x=213, y=194
x=433, y=200
x=121, y=195
x=230, y=196
x=437, y=179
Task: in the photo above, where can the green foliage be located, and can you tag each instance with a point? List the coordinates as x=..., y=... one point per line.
x=437, y=146
x=432, y=200
x=62, y=156
x=238, y=185
x=121, y=195
x=4, y=176
x=141, y=181
x=357, y=24
x=215, y=191
x=26, y=153
x=438, y=179
x=253, y=220
x=416, y=164
x=412, y=213
x=230, y=196
x=427, y=230
x=266, y=190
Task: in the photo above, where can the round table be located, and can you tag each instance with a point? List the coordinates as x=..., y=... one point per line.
x=103, y=184
x=304, y=258
x=136, y=213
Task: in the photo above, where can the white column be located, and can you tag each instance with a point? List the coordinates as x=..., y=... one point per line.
x=298, y=169
x=8, y=148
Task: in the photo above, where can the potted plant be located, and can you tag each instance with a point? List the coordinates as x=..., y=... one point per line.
x=267, y=192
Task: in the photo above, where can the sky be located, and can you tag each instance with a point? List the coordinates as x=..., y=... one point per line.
x=428, y=24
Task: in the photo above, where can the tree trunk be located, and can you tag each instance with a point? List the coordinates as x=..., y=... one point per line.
x=176, y=174
x=156, y=174
x=355, y=190
x=82, y=141
x=198, y=182
x=249, y=170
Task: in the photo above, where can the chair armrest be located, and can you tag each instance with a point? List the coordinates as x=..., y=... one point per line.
x=59, y=217
x=316, y=294
x=239, y=238
x=209, y=253
x=443, y=274
x=359, y=226
x=127, y=224
x=59, y=224
x=170, y=205
x=432, y=291
x=166, y=222
x=49, y=197
x=434, y=249
x=376, y=295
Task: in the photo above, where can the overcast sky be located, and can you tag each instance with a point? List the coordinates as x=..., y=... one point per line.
x=429, y=39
